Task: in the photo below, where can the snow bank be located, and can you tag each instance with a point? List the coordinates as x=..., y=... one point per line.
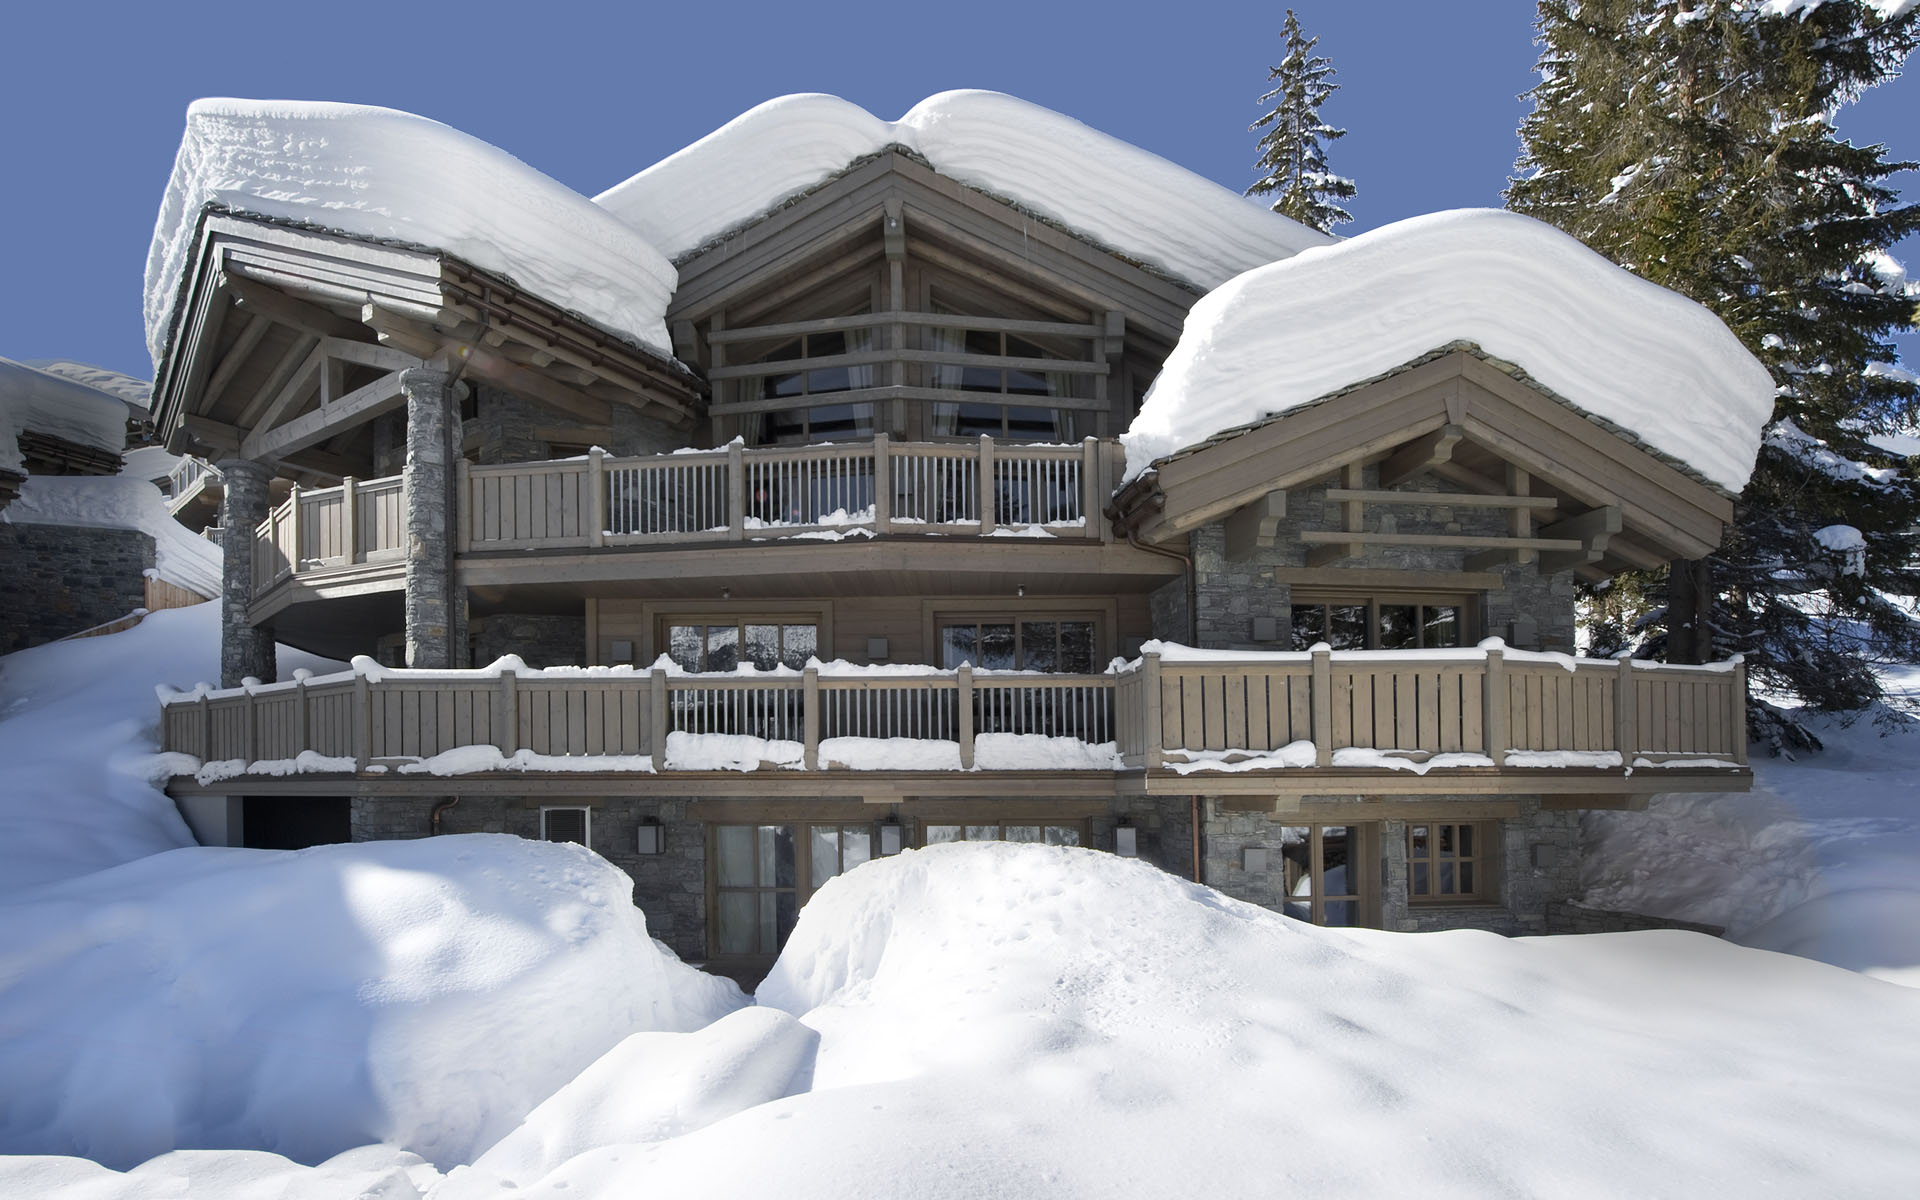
x=47, y=403
x=135, y=392
x=1822, y=859
x=78, y=727
x=423, y=993
x=1019, y=1020
x=364, y=1173
x=1612, y=344
x=122, y=502
x=377, y=173
x=1105, y=189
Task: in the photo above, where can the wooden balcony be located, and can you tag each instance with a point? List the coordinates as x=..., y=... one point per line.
x=1467, y=721
x=718, y=497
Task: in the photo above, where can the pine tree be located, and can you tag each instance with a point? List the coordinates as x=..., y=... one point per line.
x=1691, y=142
x=1293, y=155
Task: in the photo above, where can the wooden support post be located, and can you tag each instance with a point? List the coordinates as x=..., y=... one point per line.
x=1090, y=497
x=362, y=722
x=1254, y=526
x=596, y=497
x=1494, y=701
x=1322, y=705
x=1625, y=708
x=1738, y=723
x=350, y=513
x=302, y=720
x=1520, y=520
x=736, y=492
x=506, y=714
x=249, y=718
x=1156, y=750
x=293, y=527
x=882, y=484
x=963, y=693
x=206, y=729
x=988, y=497
x=810, y=718
x=657, y=718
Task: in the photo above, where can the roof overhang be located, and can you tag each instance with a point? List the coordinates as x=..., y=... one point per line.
x=1462, y=417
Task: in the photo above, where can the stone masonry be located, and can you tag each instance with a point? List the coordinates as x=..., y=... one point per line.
x=432, y=425
x=540, y=640
x=246, y=649
x=61, y=579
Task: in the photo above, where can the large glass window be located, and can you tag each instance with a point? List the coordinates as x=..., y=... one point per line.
x=1447, y=862
x=790, y=378
x=764, y=874
x=1321, y=872
x=1064, y=645
x=1033, y=834
x=1378, y=623
x=723, y=647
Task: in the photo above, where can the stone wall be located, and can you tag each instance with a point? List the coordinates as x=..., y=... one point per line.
x=542, y=640
x=61, y=579
x=509, y=430
x=1529, y=610
x=1567, y=917
x=669, y=887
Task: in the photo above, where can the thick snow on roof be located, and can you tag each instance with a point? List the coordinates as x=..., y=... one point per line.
x=1607, y=341
x=378, y=173
x=121, y=502
x=1103, y=188
x=136, y=392
x=38, y=401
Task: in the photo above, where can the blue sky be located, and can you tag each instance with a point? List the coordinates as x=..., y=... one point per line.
x=592, y=93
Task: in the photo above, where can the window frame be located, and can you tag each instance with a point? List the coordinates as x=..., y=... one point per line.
x=803, y=887
x=1019, y=621
x=936, y=614
x=667, y=623
x=1362, y=887
x=1469, y=604
x=1484, y=860
x=1000, y=823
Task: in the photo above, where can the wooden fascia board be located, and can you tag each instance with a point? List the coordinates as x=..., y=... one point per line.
x=1079, y=793
x=1361, y=783
x=356, y=407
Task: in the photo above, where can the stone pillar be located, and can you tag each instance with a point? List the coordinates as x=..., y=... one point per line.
x=430, y=606
x=245, y=649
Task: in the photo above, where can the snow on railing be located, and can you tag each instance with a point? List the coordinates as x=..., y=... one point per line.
x=1173, y=708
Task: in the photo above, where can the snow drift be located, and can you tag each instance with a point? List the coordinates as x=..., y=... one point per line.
x=122, y=502
x=377, y=173
x=423, y=993
x=1611, y=343
x=1098, y=186
x=44, y=402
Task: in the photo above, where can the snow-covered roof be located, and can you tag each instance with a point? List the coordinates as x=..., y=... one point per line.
x=1606, y=341
x=121, y=502
x=1094, y=184
x=378, y=173
x=137, y=393
x=40, y=402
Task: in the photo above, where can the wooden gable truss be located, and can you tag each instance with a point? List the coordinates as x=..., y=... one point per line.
x=1577, y=495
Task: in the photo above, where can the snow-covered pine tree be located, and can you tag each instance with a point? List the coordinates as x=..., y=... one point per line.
x=1293, y=156
x=1691, y=141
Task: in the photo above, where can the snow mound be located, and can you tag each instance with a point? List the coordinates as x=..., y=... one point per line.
x=378, y=173
x=1607, y=341
x=122, y=502
x=649, y=1088
x=135, y=392
x=363, y=1173
x=426, y=994
x=78, y=728
x=1105, y=189
x=47, y=403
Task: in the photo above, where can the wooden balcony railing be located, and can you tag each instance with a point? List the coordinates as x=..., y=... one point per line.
x=1487, y=707
x=738, y=495
x=327, y=528
x=188, y=476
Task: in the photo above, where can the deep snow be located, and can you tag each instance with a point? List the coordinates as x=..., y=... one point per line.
x=51, y=403
x=121, y=502
x=1646, y=359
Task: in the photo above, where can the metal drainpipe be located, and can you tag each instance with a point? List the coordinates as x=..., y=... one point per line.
x=1194, y=815
x=1193, y=583
x=440, y=809
x=457, y=630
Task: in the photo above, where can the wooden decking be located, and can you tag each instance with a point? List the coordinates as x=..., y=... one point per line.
x=1372, y=721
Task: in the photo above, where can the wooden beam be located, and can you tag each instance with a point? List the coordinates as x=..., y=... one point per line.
x=1421, y=456
x=356, y=407
x=1338, y=546
x=1457, y=499
x=1594, y=529
x=1253, y=527
x=1325, y=537
x=217, y=435
x=279, y=307
x=251, y=332
x=283, y=370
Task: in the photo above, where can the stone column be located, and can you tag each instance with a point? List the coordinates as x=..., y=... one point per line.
x=430, y=603
x=245, y=649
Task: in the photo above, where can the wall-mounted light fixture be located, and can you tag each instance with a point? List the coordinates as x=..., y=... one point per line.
x=1253, y=860
x=1126, y=839
x=892, y=836
x=652, y=836
x=1021, y=590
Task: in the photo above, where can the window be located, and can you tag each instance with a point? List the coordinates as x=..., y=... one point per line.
x=1447, y=862
x=1379, y=622
x=1322, y=867
x=1036, y=834
x=1014, y=421
x=1064, y=645
x=723, y=647
x=565, y=825
x=764, y=874
x=813, y=422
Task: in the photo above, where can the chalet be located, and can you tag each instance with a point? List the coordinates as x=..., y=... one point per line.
x=772, y=512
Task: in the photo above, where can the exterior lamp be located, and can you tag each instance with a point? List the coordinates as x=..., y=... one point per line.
x=1126, y=840
x=651, y=839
